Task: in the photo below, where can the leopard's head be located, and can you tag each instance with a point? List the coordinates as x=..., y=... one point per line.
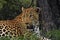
x=30, y=16
x=27, y=18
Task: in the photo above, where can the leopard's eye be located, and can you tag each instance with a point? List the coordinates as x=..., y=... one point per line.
x=31, y=15
x=37, y=10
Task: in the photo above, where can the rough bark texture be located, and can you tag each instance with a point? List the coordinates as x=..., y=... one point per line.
x=49, y=14
x=54, y=4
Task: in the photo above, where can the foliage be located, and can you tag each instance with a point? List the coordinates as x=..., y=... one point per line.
x=25, y=37
x=15, y=3
x=2, y=2
x=54, y=35
x=25, y=3
x=9, y=9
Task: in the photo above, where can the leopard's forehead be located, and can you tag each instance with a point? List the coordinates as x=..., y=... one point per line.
x=29, y=9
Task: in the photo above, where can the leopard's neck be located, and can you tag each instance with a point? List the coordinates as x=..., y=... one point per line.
x=19, y=17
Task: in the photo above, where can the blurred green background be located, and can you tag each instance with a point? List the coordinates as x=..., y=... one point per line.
x=9, y=9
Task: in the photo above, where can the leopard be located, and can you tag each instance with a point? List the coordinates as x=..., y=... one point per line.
x=18, y=25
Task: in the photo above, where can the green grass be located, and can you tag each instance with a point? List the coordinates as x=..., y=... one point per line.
x=25, y=37
x=54, y=34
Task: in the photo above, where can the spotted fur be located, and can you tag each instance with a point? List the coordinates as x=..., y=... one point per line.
x=18, y=26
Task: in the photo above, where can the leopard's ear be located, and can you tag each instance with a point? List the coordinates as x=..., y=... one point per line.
x=22, y=8
x=38, y=9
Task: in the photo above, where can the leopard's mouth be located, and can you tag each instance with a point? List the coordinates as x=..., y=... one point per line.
x=30, y=26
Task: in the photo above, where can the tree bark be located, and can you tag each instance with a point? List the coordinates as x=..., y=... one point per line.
x=46, y=16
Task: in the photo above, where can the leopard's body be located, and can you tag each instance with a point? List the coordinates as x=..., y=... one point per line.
x=18, y=26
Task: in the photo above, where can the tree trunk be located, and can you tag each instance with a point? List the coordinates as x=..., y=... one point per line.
x=46, y=16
